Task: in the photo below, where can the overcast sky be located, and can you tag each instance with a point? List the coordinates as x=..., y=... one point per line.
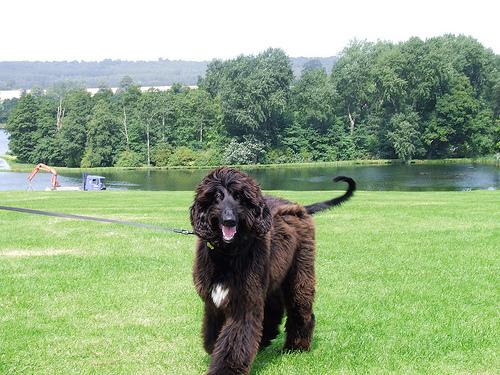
x=93, y=30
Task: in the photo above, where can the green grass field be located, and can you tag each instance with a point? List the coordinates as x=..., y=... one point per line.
x=406, y=283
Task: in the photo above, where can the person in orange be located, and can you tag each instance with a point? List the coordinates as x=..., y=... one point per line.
x=53, y=181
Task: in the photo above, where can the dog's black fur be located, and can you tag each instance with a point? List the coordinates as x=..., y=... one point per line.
x=254, y=259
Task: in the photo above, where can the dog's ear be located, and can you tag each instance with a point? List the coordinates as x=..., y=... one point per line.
x=262, y=223
x=200, y=221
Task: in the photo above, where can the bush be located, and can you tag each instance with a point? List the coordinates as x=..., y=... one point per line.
x=183, y=156
x=211, y=157
x=164, y=155
x=249, y=151
x=129, y=159
x=160, y=155
x=284, y=156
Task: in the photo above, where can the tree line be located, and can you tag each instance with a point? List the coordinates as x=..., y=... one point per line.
x=163, y=72
x=436, y=98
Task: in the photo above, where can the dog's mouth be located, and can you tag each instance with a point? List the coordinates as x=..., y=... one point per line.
x=228, y=233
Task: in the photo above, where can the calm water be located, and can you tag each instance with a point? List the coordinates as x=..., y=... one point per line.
x=4, y=147
x=390, y=177
x=4, y=142
x=444, y=177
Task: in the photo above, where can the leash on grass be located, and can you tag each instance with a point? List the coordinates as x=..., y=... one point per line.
x=98, y=219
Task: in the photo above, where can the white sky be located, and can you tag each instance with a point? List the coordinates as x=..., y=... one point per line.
x=201, y=30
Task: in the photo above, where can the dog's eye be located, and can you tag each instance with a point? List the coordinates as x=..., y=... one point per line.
x=219, y=195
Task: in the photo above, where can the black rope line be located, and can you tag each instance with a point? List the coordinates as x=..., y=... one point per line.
x=98, y=219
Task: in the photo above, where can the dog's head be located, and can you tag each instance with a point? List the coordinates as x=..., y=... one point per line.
x=227, y=204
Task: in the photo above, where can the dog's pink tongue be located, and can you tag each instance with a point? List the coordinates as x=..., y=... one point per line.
x=228, y=232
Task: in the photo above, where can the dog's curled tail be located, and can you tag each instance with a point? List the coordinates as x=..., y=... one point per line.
x=320, y=206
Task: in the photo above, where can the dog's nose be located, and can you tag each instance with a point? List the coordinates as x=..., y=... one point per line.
x=229, y=223
x=228, y=218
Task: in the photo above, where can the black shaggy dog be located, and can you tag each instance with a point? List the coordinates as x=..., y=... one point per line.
x=254, y=259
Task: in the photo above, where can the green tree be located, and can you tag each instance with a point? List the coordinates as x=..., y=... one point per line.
x=48, y=147
x=73, y=133
x=104, y=142
x=6, y=107
x=480, y=139
x=167, y=114
x=312, y=113
x=452, y=121
x=22, y=127
x=351, y=77
x=147, y=113
x=126, y=101
x=199, y=120
x=253, y=93
x=405, y=136
x=296, y=144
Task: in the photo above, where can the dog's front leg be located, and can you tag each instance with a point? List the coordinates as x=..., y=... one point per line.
x=212, y=324
x=238, y=342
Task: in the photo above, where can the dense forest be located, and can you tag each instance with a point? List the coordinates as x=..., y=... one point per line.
x=29, y=74
x=436, y=98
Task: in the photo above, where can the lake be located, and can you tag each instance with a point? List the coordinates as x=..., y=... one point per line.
x=445, y=177
x=4, y=147
x=4, y=142
x=417, y=177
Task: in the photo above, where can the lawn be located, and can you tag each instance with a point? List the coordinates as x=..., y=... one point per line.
x=406, y=283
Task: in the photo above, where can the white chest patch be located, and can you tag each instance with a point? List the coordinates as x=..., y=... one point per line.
x=219, y=294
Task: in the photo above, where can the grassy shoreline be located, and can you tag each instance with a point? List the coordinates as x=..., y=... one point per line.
x=21, y=167
x=406, y=283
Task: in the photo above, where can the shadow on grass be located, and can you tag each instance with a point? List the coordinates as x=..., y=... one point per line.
x=271, y=356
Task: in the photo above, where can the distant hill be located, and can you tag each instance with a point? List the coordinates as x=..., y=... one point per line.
x=28, y=74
